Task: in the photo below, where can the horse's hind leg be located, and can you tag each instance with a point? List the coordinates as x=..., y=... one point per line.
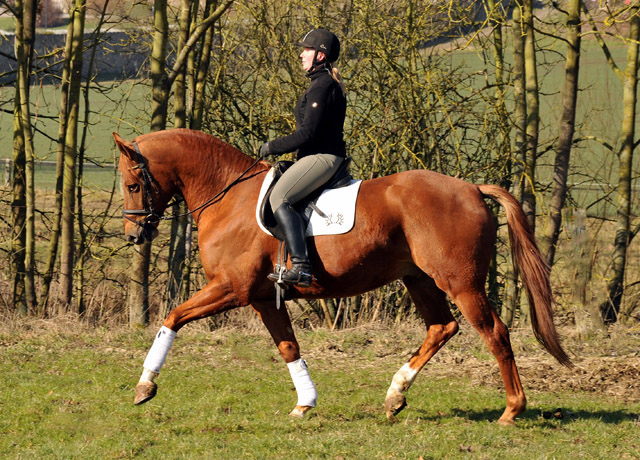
x=432, y=304
x=475, y=307
x=279, y=326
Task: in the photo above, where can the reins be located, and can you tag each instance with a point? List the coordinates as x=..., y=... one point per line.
x=220, y=193
x=147, y=185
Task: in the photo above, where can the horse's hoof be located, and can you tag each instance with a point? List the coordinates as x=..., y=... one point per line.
x=506, y=422
x=300, y=411
x=144, y=392
x=394, y=404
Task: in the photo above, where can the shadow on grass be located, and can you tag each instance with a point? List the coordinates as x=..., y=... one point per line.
x=568, y=415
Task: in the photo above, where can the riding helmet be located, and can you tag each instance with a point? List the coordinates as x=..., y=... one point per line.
x=322, y=40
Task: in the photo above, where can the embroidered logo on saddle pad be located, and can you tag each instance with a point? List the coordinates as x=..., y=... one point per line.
x=333, y=213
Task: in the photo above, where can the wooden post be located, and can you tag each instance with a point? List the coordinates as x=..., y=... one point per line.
x=587, y=316
x=7, y=172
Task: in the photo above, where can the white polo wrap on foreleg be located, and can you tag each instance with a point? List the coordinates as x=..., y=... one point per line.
x=159, y=350
x=307, y=394
x=402, y=380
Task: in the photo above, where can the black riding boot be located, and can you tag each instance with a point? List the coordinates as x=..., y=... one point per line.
x=293, y=228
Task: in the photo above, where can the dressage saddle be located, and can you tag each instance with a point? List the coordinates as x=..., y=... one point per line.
x=306, y=206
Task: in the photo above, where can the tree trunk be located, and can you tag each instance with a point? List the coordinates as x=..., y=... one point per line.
x=67, y=245
x=200, y=72
x=512, y=290
x=57, y=211
x=18, y=211
x=82, y=241
x=179, y=222
x=24, y=283
x=533, y=115
x=159, y=82
x=565, y=136
x=615, y=287
x=138, y=300
x=496, y=19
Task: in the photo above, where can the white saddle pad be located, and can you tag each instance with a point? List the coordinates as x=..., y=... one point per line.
x=338, y=206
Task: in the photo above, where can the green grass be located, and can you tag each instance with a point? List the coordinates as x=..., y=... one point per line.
x=226, y=395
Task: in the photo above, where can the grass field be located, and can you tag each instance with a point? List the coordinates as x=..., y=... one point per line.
x=68, y=390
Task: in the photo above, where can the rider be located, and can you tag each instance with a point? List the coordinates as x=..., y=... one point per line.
x=318, y=139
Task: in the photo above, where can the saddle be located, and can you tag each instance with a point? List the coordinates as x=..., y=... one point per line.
x=306, y=206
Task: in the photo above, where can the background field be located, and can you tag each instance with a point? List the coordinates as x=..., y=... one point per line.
x=124, y=108
x=226, y=395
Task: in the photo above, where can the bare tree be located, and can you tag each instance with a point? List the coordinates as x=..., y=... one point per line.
x=512, y=292
x=23, y=241
x=566, y=131
x=62, y=133
x=180, y=217
x=611, y=309
x=533, y=113
x=161, y=82
x=139, y=285
x=67, y=243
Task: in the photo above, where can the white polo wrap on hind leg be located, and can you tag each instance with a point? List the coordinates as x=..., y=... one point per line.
x=402, y=380
x=307, y=394
x=159, y=350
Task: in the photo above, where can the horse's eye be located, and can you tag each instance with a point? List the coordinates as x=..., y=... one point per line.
x=133, y=188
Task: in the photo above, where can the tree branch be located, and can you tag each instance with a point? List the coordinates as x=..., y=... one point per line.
x=603, y=44
x=198, y=32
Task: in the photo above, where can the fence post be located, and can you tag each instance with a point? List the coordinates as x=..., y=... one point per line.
x=7, y=171
x=587, y=316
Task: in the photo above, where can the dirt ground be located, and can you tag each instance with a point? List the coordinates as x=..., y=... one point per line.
x=606, y=363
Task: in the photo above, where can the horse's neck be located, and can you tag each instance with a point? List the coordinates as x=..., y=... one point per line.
x=208, y=171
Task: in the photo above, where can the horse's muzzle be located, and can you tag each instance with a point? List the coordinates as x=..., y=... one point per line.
x=141, y=232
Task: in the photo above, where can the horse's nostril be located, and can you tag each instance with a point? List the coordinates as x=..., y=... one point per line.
x=135, y=239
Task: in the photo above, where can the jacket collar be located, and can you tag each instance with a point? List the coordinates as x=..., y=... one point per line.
x=318, y=70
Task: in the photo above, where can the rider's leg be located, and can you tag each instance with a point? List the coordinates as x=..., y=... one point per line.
x=302, y=178
x=293, y=231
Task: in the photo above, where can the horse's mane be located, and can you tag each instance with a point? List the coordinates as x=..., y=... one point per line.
x=191, y=135
x=208, y=145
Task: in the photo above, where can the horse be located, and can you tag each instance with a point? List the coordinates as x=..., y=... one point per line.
x=434, y=232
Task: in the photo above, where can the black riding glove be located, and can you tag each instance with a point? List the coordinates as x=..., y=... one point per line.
x=264, y=150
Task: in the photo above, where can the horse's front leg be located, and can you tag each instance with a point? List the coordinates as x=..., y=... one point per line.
x=213, y=298
x=278, y=323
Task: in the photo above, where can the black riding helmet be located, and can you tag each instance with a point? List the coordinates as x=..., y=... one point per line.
x=322, y=40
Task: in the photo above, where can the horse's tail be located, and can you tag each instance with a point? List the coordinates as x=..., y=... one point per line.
x=533, y=270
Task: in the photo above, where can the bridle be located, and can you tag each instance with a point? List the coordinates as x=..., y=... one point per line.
x=152, y=218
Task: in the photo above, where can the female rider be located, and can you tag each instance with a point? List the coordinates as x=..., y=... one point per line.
x=318, y=139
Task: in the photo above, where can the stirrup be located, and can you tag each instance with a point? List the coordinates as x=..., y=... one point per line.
x=285, y=278
x=297, y=278
x=276, y=276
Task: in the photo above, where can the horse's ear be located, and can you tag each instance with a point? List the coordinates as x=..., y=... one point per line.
x=125, y=147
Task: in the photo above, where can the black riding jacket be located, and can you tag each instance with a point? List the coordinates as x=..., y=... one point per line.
x=319, y=116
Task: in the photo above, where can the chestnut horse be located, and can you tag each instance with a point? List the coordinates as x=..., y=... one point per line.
x=433, y=232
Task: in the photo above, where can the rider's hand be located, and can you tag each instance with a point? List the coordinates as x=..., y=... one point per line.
x=264, y=150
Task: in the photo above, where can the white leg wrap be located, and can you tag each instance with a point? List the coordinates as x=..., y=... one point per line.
x=159, y=350
x=402, y=380
x=307, y=394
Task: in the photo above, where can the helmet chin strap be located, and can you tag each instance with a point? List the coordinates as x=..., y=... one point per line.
x=315, y=63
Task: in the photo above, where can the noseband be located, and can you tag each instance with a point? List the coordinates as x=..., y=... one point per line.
x=149, y=211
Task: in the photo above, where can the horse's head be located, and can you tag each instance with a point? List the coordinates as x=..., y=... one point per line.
x=143, y=202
